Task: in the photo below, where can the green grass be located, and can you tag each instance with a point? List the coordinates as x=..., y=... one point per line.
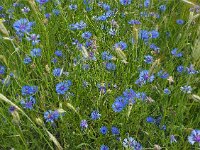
x=180, y=113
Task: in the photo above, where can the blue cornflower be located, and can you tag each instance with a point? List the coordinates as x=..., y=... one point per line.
x=180, y=68
x=50, y=115
x=164, y=127
x=130, y=95
x=122, y=45
x=132, y=144
x=34, y=38
x=47, y=15
x=25, y=10
x=54, y=60
x=86, y=67
x=162, y=8
x=102, y=87
x=109, y=13
x=186, y=89
x=144, y=35
x=194, y=137
x=106, y=55
x=56, y=12
x=141, y=95
x=84, y=124
x=191, y=70
x=172, y=139
x=1, y=8
x=148, y=59
x=36, y=52
x=101, y=18
x=125, y=2
x=58, y=53
x=2, y=69
x=42, y=1
x=112, y=32
x=27, y=60
x=150, y=119
x=155, y=48
x=22, y=25
x=162, y=74
x=154, y=34
x=78, y=26
x=103, y=130
x=29, y=90
x=57, y=72
x=117, y=106
x=180, y=21
x=106, y=7
x=104, y=147
x=12, y=109
x=72, y=7
x=175, y=53
x=110, y=66
x=134, y=22
x=115, y=131
x=62, y=87
x=28, y=102
x=146, y=3
x=167, y=91
x=144, y=77
x=86, y=35
x=95, y=115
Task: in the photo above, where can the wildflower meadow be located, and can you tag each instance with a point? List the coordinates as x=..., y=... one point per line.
x=99, y=74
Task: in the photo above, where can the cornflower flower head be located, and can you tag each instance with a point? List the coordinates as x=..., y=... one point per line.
x=57, y=72
x=58, y=53
x=180, y=21
x=130, y=95
x=191, y=70
x=84, y=124
x=34, y=38
x=134, y=22
x=51, y=116
x=73, y=7
x=194, y=137
x=25, y=10
x=86, y=35
x=28, y=102
x=132, y=144
x=154, y=34
x=146, y=3
x=95, y=115
x=175, y=53
x=36, y=52
x=162, y=8
x=104, y=147
x=186, y=89
x=148, y=59
x=62, y=87
x=144, y=77
x=2, y=70
x=103, y=130
x=180, y=69
x=29, y=90
x=41, y=2
x=106, y=55
x=110, y=66
x=167, y=91
x=115, y=130
x=122, y=45
x=125, y=2
x=78, y=26
x=22, y=26
x=27, y=60
x=173, y=139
